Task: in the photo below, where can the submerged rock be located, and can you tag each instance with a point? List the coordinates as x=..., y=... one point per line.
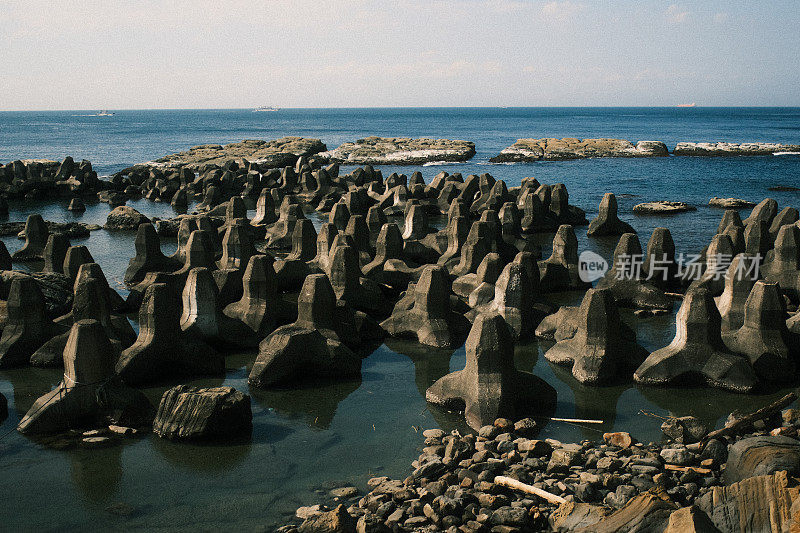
x=187, y=412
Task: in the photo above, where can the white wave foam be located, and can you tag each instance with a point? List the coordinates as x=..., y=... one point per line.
x=440, y=163
x=786, y=153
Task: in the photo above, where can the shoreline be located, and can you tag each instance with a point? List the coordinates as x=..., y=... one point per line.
x=503, y=479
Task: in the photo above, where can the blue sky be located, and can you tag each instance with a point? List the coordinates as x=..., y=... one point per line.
x=206, y=54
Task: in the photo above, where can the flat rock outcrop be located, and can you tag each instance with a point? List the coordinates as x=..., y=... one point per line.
x=549, y=149
x=399, y=151
x=743, y=506
x=723, y=148
x=761, y=456
x=73, y=230
x=662, y=207
x=730, y=203
x=277, y=153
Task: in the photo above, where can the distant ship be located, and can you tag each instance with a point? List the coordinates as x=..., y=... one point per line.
x=264, y=109
x=687, y=105
x=105, y=113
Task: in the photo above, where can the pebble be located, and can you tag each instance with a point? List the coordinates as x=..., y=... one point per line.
x=452, y=488
x=96, y=442
x=344, y=492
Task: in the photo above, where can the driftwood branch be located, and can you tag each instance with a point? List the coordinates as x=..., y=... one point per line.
x=748, y=420
x=697, y=469
x=530, y=489
x=577, y=420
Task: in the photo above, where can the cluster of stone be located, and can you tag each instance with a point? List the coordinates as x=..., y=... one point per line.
x=312, y=300
x=690, y=482
x=455, y=259
x=35, y=178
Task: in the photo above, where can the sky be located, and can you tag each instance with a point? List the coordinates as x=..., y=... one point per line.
x=139, y=54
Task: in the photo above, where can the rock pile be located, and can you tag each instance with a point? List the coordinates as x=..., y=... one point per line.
x=504, y=479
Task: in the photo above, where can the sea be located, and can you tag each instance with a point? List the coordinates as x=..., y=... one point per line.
x=310, y=438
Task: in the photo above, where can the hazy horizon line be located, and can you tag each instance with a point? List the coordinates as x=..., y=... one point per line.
x=676, y=106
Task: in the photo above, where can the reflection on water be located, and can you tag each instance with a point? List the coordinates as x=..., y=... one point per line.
x=312, y=401
x=97, y=473
x=712, y=406
x=590, y=403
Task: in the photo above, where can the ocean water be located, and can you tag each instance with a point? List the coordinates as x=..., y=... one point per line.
x=312, y=438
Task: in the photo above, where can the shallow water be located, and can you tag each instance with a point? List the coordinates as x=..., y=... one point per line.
x=324, y=435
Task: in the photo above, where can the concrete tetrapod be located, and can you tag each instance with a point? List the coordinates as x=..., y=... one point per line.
x=764, y=338
x=783, y=266
x=258, y=306
x=55, y=251
x=739, y=280
x=91, y=302
x=202, y=316
x=27, y=326
x=162, y=350
x=560, y=271
x=489, y=386
x=89, y=394
x=697, y=351
x=607, y=222
x=627, y=282
x=36, y=234
x=309, y=346
x=514, y=299
x=149, y=257
x=425, y=313
x=659, y=265
x=292, y=271
x=602, y=350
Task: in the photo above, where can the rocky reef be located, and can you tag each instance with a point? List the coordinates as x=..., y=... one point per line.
x=549, y=149
x=733, y=149
x=277, y=153
x=399, y=151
